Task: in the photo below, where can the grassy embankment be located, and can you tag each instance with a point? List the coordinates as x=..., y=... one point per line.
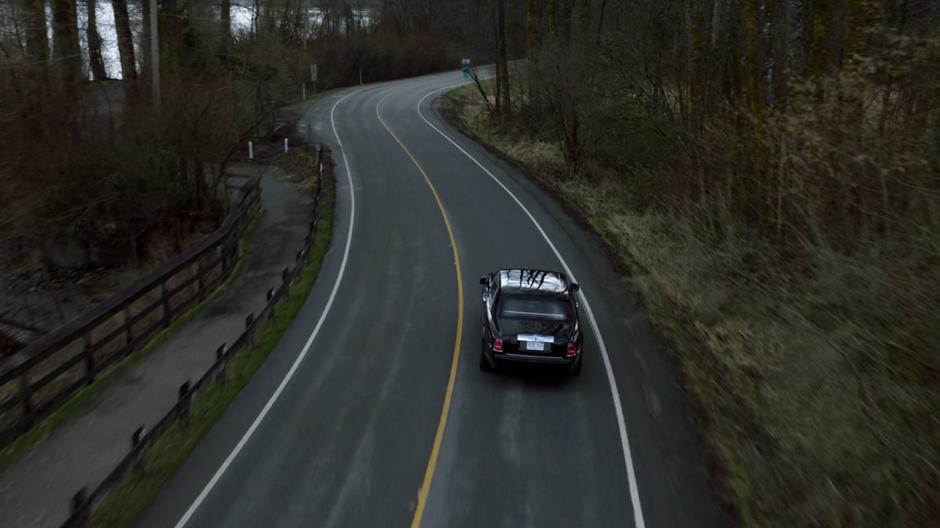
x=813, y=387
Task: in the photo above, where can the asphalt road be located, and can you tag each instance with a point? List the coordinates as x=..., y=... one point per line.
x=351, y=400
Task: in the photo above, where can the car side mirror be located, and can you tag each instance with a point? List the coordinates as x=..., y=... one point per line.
x=485, y=280
x=574, y=286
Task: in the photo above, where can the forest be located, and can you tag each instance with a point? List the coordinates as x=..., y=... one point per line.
x=81, y=183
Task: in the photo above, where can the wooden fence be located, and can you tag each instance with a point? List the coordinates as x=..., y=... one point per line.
x=84, y=502
x=61, y=363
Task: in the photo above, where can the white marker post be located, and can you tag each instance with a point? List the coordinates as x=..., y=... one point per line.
x=313, y=76
x=285, y=145
x=303, y=90
x=251, y=151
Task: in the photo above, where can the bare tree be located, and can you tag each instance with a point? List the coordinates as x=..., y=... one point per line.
x=37, y=44
x=226, y=21
x=66, y=47
x=125, y=40
x=503, y=95
x=94, y=42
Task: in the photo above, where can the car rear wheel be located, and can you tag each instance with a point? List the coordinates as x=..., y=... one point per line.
x=576, y=368
x=484, y=363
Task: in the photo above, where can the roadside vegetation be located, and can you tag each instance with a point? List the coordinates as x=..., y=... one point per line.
x=769, y=172
x=129, y=498
x=100, y=181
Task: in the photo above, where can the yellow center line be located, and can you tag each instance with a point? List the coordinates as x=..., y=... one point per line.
x=451, y=381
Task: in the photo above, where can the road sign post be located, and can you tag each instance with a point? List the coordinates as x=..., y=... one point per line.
x=465, y=63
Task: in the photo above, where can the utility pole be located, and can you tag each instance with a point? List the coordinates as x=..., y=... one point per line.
x=154, y=53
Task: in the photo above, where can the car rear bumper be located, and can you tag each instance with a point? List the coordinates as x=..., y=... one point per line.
x=509, y=357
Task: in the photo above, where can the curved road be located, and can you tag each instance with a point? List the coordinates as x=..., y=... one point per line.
x=375, y=391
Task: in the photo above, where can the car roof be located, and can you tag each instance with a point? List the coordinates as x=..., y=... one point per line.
x=532, y=281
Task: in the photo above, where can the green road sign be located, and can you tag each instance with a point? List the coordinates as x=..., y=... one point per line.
x=466, y=68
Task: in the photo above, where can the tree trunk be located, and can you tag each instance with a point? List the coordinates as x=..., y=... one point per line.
x=567, y=12
x=125, y=40
x=552, y=16
x=66, y=48
x=504, y=100
x=584, y=14
x=175, y=38
x=753, y=24
x=532, y=45
x=37, y=43
x=226, y=22
x=350, y=20
x=699, y=75
x=145, y=42
x=94, y=43
x=780, y=50
x=600, y=22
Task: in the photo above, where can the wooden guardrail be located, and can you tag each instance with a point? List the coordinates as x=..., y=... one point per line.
x=61, y=363
x=84, y=502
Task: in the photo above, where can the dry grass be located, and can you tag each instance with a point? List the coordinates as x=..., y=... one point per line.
x=817, y=380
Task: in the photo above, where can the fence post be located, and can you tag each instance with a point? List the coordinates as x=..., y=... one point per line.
x=126, y=314
x=79, y=515
x=89, y=360
x=249, y=329
x=136, y=437
x=199, y=283
x=184, y=397
x=26, y=394
x=165, y=303
x=220, y=360
x=269, y=297
x=230, y=248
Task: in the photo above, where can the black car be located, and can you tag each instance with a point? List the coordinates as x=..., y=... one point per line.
x=530, y=316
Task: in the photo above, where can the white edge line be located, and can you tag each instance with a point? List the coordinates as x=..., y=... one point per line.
x=614, y=391
x=303, y=353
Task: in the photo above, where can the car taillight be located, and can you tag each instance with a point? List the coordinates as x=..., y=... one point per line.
x=572, y=350
x=497, y=345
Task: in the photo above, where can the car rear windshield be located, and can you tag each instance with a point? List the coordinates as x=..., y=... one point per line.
x=533, y=314
x=533, y=307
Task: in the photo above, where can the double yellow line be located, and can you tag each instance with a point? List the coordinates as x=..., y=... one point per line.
x=451, y=381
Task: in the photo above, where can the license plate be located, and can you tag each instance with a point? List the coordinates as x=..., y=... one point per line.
x=535, y=346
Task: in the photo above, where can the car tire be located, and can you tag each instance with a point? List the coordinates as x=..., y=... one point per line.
x=484, y=363
x=576, y=368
